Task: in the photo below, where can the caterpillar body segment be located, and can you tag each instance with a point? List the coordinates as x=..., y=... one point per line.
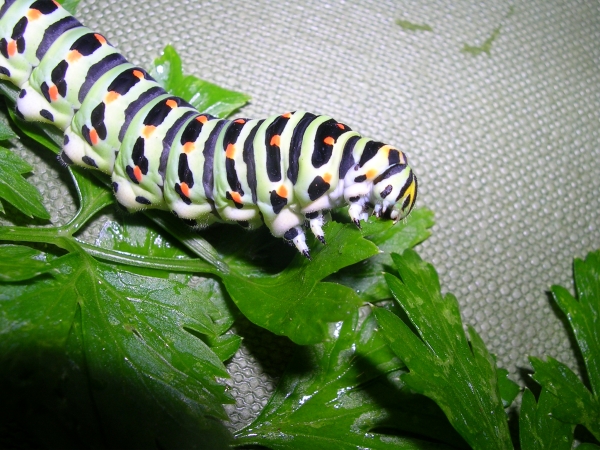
x=28, y=29
x=283, y=171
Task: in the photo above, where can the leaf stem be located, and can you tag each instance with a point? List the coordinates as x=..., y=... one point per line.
x=151, y=262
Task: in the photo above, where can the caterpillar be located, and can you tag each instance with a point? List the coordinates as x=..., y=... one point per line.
x=283, y=171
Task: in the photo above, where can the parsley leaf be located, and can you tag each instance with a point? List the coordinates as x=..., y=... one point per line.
x=20, y=263
x=365, y=277
x=345, y=393
x=204, y=96
x=459, y=374
x=15, y=190
x=125, y=336
x=576, y=403
x=538, y=429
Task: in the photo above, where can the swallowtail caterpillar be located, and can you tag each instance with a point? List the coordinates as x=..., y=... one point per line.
x=283, y=171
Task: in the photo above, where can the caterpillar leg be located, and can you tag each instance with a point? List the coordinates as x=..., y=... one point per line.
x=296, y=236
x=316, y=222
x=358, y=210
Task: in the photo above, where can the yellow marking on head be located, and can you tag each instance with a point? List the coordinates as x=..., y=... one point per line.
x=329, y=140
x=371, y=173
x=402, y=157
x=276, y=140
x=33, y=14
x=171, y=103
x=230, y=151
x=189, y=147
x=111, y=96
x=411, y=191
x=327, y=177
x=385, y=150
x=148, y=130
x=73, y=56
x=282, y=191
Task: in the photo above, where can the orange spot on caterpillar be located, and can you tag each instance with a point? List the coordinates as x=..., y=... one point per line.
x=185, y=189
x=171, y=103
x=327, y=177
x=138, y=74
x=73, y=56
x=188, y=147
x=236, y=197
x=341, y=126
x=33, y=14
x=11, y=48
x=276, y=140
x=100, y=38
x=239, y=121
x=287, y=115
x=230, y=151
x=111, y=97
x=202, y=119
x=137, y=173
x=56, y=3
x=329, y=140
x=371, y=173
x=53, y=93
x=148, y=130
x=94, y=136
x=282, y=191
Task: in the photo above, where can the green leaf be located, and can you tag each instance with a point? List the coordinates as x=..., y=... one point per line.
x=345, y=393
x=147, y=378
x=365, y=277
x=458, y=374
x=15, y=190
x=576, y=404
x=296, y=303
x=508, y=388
x=136, y=236
x=204, y=96
x=6, y=131
x=19, y=263
x=538, y=429
x=583, y=313
x=69, y=5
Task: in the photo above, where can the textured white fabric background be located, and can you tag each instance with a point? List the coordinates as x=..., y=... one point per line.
x=506, y=144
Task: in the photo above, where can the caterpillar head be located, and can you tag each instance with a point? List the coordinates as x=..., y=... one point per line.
x=394, y=192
